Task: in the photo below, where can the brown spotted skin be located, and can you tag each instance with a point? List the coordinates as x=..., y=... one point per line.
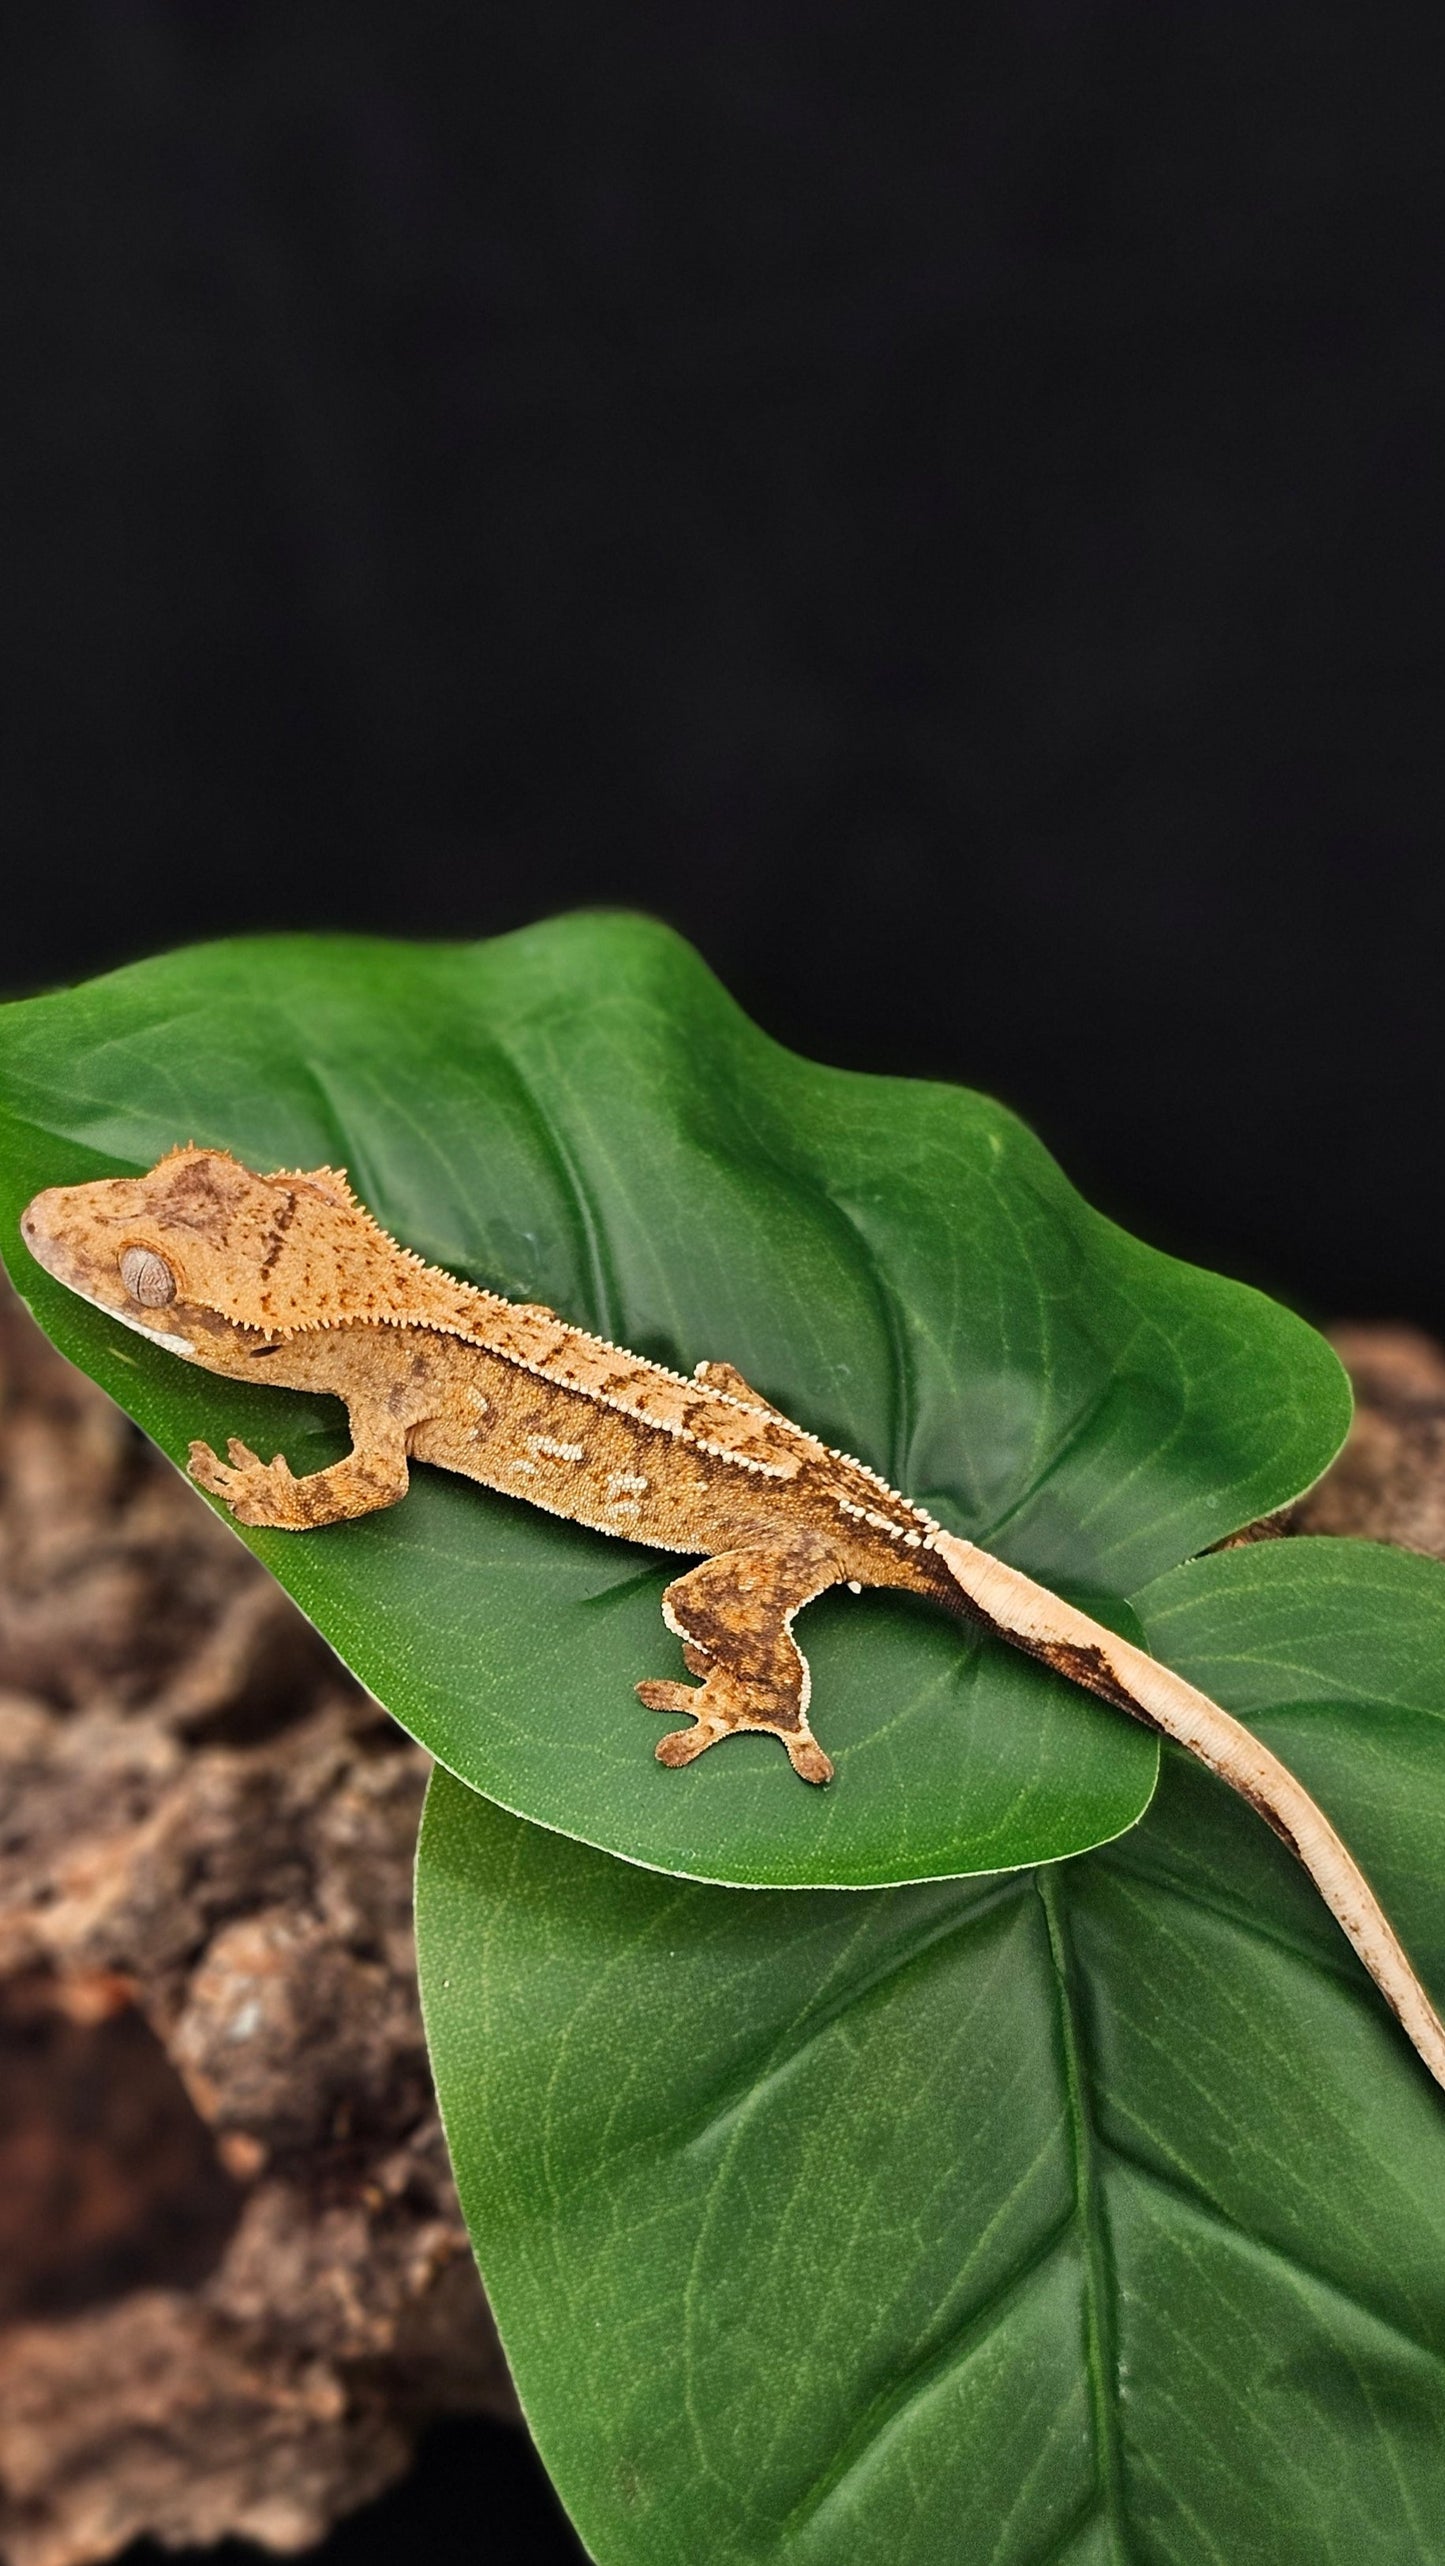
x=287, y=1279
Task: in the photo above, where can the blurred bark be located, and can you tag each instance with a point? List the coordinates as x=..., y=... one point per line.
x=1389, y=1482
x=234, y=2282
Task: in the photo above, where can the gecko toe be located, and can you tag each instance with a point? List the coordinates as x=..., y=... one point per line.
x=241, y=1456
x=808, y=1760
x=681, y=1744
x=667, y=1697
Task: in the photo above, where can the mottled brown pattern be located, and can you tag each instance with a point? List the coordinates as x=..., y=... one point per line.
x=734, y=1616
x=290, y=1272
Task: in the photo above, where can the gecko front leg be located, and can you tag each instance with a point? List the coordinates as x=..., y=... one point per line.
x=373, y=1475
x=734, y=1617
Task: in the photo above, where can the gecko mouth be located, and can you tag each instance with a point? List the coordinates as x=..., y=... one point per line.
x=157, y=1336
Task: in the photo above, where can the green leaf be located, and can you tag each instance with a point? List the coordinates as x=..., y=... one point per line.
x=579, y=1114
x=1092, y=2215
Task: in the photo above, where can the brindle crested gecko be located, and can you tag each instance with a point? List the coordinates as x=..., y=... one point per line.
x=288, y=1279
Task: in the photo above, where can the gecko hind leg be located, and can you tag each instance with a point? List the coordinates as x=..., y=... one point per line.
x=734, y=1615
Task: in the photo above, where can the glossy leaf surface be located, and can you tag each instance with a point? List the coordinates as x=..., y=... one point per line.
x=1089, y=2216
x=579, y=1115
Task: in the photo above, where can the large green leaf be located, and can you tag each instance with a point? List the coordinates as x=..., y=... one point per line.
x=580, y=1115
x=1092, y=2215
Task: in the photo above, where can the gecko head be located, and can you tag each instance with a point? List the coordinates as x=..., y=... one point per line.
x=212, y=1261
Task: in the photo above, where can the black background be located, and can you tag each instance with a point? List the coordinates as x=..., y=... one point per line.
x=941, y=502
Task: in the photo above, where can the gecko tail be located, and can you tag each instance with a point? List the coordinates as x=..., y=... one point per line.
x=1029, y=1617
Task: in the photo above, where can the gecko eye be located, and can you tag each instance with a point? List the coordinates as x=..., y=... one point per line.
x=147, y=1277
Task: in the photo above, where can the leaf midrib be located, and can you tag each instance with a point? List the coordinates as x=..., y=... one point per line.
x=1101, y=2289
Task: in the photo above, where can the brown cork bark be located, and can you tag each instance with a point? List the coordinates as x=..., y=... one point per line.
x=1389, y=1482
x=234, y=2282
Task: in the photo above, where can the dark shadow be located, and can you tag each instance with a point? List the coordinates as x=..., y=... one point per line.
x=109, y=2179
x=477, y=2492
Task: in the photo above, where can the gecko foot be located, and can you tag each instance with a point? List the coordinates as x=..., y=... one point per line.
x=734, y=1616
x=724, y=1716
x=256, y=1491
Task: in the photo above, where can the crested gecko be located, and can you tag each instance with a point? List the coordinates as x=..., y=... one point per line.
x=288, y=1279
